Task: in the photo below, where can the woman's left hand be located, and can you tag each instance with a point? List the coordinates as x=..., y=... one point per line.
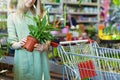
x=41, y=47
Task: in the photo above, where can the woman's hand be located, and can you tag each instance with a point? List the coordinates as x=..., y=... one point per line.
x=17, y=45
x=41, y=47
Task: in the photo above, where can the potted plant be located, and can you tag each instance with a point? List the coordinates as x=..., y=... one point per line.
x=39, y=33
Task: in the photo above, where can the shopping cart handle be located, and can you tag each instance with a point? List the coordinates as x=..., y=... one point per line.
x=76, y=41
x=54, y=44
x=90, y=41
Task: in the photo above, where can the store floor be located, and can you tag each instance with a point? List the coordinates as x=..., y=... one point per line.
x=9, y=76
x=6, y=76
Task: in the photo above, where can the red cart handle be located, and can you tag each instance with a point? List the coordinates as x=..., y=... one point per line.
x=90, y=41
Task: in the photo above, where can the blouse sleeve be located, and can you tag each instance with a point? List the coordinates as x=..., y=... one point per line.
x=12, y=35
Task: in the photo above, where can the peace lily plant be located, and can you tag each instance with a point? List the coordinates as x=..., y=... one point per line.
x=41, y=31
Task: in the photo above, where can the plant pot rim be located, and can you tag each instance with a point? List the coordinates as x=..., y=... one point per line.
x=29, y=36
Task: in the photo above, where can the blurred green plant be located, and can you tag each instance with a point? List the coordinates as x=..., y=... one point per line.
x=4, y=48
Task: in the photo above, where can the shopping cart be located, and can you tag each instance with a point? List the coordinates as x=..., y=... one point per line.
x=87, y=61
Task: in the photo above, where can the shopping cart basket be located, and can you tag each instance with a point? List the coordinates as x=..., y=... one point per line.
x=88, y=61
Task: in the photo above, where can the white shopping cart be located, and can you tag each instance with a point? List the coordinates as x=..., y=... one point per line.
x=88, y=61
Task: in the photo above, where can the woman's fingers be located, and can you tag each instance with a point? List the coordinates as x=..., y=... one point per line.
x=41, y=47
x=45, y=46
x=22, y=42
x=38, y=47
x=48, y=42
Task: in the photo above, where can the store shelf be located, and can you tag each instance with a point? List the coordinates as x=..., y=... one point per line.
x=3, y=20
x=79, y=21
x=54, y=9
x=3, y=17
x=3, y=0
x=82, y=4
x=3, y=11
x=3, y=33
x=11, y=11
x=53, y=12
x=89, y=4
x=52, y=3
x=83, y=10
x=82, y=13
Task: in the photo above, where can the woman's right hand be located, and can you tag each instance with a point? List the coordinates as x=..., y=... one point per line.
x=17, y=45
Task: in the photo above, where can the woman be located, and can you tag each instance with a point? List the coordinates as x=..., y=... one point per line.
x=71, y=21
x=27, y=65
